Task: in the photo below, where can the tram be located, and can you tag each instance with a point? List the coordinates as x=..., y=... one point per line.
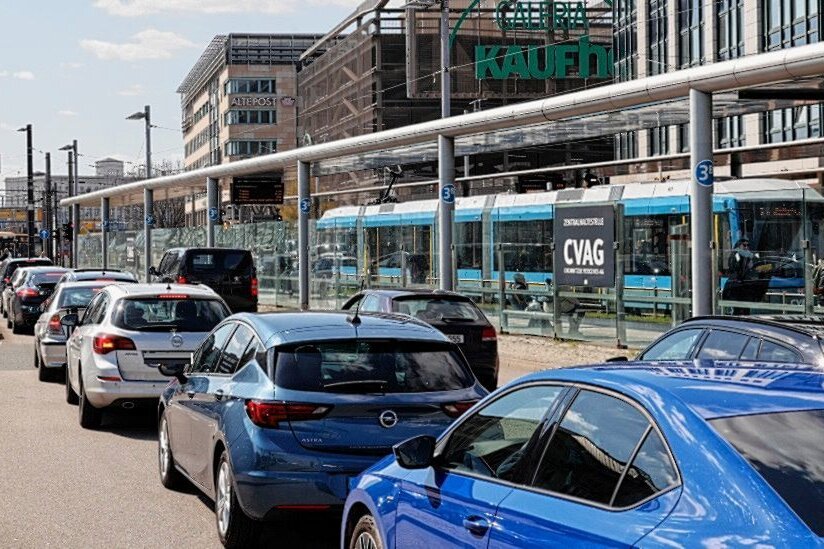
x=17, y=243
x=778, y=217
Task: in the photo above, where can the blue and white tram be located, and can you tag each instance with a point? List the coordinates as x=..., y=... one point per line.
x=775, y=215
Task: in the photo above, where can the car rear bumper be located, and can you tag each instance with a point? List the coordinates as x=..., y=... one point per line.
x=106, y=393
x=53, y=353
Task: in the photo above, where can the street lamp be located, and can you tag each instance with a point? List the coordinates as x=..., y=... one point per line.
x=148, y=194
x=145, y=115
x=29, y=188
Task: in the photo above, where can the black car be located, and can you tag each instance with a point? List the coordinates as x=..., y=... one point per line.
x=784, y=339
x=454, y=314
x=9, y=266
x=35, y=287
x=229, y=272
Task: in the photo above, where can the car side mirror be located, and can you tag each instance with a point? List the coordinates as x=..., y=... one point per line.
x=70, y=320
x=415, y=453
x=618, y=359
x=153, y=271
x=175, y=371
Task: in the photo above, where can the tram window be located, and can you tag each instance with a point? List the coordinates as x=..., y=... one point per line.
x=526, y=245
x=469, y=245
x=647, y=236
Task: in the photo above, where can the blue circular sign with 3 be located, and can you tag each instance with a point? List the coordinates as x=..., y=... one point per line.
x=448, y=193
x=305, y=205
x=213, y=214
x=703, y=173
x=44, y=234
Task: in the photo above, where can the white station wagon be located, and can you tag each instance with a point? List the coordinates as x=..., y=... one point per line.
x=125, y=335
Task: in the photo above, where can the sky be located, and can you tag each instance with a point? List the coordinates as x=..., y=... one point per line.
x=74, y=69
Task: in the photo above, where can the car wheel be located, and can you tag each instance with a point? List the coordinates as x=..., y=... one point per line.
x=43, y=373
x=365, y=535
x=234, y=527
x=8, y=321
x=71, y=396
x=15, y=327
x=90, y=417
x=170, y=477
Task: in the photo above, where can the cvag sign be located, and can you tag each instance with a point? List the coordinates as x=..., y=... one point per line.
x=584, y=240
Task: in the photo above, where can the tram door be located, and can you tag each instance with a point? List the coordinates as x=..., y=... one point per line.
x=679, y=237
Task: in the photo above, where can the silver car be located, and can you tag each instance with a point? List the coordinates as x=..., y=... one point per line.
x=125, y=335
x=49, y=332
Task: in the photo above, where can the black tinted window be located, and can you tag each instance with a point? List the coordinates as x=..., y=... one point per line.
x=234, y=350
x=76, y=297
x=370, y=366
x=207, y=356
x=590, y=448
x=721, y=345
x=676, y=346
x=162, y=314
x=786, y=449
x=494, y=440
x=48, y=278
x=773, y=352
x=750, y=351
x=220, y=261
x=436, y=308
x=651, y=472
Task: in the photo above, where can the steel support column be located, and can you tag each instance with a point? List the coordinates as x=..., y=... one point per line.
x=104, y=231
x=212, y=209
x=446, y=188
x=75, y=233
x=148, y=222
x=701, y=189
x=305, y=208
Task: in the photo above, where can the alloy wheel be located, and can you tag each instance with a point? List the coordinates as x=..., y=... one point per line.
x=163, y=448
x=366, y=541
x=224, y=497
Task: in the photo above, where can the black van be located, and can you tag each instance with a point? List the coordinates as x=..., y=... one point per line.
x=229, y=272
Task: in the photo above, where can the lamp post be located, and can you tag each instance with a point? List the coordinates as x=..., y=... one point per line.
x=74, y=213
x=29, y=188
x=148, y=195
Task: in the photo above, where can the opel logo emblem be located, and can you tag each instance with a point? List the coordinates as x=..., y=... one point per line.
x=388, y=419
x=177, y=340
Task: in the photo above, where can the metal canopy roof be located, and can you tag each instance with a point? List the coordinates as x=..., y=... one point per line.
x=781, y=66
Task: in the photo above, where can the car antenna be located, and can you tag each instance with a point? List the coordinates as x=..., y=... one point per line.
x=355, y=319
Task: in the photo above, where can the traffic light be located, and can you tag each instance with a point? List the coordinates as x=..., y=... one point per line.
x=67, y=231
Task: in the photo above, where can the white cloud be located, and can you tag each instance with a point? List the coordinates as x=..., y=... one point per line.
x=132, y=91
x=67, y=112
x=147, y=44
x=136, y=8
x=24, y=75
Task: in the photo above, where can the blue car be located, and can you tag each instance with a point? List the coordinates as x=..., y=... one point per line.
x=638, y=455
x=278, y=412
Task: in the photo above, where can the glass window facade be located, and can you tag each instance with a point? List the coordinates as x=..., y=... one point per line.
x=790, y=23
x=250, y=117
x=791, y=124
x=657, y=36
x=729, y=29
x=658, y=141
x=626, y=145
x=690, y=33
x=684, y=138
x=250, y=147
x=729, y=132
x=626, y=40
x=249, y=85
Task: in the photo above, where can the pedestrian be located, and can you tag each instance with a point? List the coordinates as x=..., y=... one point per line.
x=818, y=280
x=739, y=270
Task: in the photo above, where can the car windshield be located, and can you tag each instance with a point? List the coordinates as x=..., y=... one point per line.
x=77, y=297
x=364, y=366
x=785, y=448
x=220, y=261
x=429, y=308
x=178, y=313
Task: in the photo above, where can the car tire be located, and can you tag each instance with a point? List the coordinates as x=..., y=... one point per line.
x=365, y=535
x=234, y=527
x=43, y=373
x=90, y=417
x=71, y=396
x=170, y=477
x=15, y=327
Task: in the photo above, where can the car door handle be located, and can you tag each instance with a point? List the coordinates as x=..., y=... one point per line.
x=219, y=394
x=476, y=525
x=190, y=394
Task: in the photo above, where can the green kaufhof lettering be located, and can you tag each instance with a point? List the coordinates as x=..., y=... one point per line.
x=540, y=15
x=542, y=62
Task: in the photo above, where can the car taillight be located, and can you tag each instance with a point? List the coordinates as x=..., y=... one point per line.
x=182, y=280
x=27, y=292
x=106, y=343
x=54, y=325
x=253, y=288
x=489, y=334
x=271, y=414
x=456, y=409
x=6, y=280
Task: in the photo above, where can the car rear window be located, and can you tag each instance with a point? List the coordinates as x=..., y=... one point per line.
x=46, y=278
x=434, y=308
x=363, y=366
x=27, y=263
x=786, y=449
x=77, y=297
x=219, y=261
x=162, y=314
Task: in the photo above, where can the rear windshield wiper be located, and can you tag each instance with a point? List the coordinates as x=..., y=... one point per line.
x=356, y=385
x=457, y=319
x=155, y=327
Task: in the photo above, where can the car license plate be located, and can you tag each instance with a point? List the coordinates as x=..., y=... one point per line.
x=455, y=338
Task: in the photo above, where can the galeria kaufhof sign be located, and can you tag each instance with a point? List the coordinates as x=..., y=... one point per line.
x=578, y=58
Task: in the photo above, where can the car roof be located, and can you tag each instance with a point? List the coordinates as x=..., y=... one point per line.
x=153, y=289
x=414, y=292
x=46, y=269
x=92, y=273
x=208, y=250
x=27, y=260
x=725, y=390
x=808, y=325
x=294, y=327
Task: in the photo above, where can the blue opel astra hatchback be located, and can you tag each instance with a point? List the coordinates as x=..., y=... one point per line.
x=278, y=412
x=644, y=455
